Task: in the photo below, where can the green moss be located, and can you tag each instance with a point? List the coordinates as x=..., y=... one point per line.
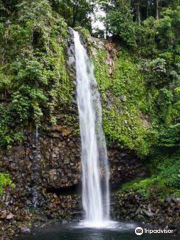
x=5, y=181
x=143, y=186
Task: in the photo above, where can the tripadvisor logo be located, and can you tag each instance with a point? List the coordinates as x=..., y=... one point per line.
x=138, y=231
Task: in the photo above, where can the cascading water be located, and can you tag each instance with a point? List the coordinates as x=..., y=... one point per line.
x=35, y=191
x=95, y=169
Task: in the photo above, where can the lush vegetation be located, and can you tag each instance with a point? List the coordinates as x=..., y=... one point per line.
x=34, y=80
x=125, y=103
x=165, y=177
x=141, y=97
x=4, y=182
x=149, y=31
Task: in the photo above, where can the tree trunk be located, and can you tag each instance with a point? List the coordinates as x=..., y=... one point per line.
x=157, y=9
x=138, y=14
x=75, y=13
x=147, y=9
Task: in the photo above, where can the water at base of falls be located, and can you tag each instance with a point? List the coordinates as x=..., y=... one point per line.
x=105, y=224
x=95, y=169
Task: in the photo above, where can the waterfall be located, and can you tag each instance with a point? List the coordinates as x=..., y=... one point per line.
x=95, y=168
x=35, y=190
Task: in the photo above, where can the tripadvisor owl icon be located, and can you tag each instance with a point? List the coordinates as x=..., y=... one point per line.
x=138, y=231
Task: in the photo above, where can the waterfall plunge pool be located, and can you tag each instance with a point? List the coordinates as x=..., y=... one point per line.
x=120, y=231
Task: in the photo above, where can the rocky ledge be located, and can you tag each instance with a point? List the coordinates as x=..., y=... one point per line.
x=132, y=206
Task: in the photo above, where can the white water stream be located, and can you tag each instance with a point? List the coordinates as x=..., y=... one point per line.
x=95, y=169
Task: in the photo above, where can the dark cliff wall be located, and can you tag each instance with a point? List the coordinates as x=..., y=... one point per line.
x=58, y=166
x=51, y=170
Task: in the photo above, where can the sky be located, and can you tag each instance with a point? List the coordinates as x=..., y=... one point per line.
x=97, y=23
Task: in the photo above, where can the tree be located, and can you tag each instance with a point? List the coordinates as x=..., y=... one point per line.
x=143, y=9
x=75, y=12
x=119, y=22
x=169, y=31
x=7, y=8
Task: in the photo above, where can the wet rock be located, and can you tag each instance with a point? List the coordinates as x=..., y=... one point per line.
x=71, y=61
x=24, y=229
x=122, y=98
x=148, y=213
x=9, y=216
x=130, y=205
x=52, y=174
x=3, y=214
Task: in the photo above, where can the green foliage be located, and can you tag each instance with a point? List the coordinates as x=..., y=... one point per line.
x=5, y=181
x=34, y=81
x=169, y=30
x=119, y=22
x=146, y=37
x=76, y=13
x=143, y=187
x=142, y=99
x=164, y=180
x=170, y=137
x=156, y=72
x=161, y=70
x=125, y=104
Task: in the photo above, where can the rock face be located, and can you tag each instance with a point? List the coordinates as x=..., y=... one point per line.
x=124, y=166
x=56, y=177
x=59, y=164
x=52, y=178
x=132, y=206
